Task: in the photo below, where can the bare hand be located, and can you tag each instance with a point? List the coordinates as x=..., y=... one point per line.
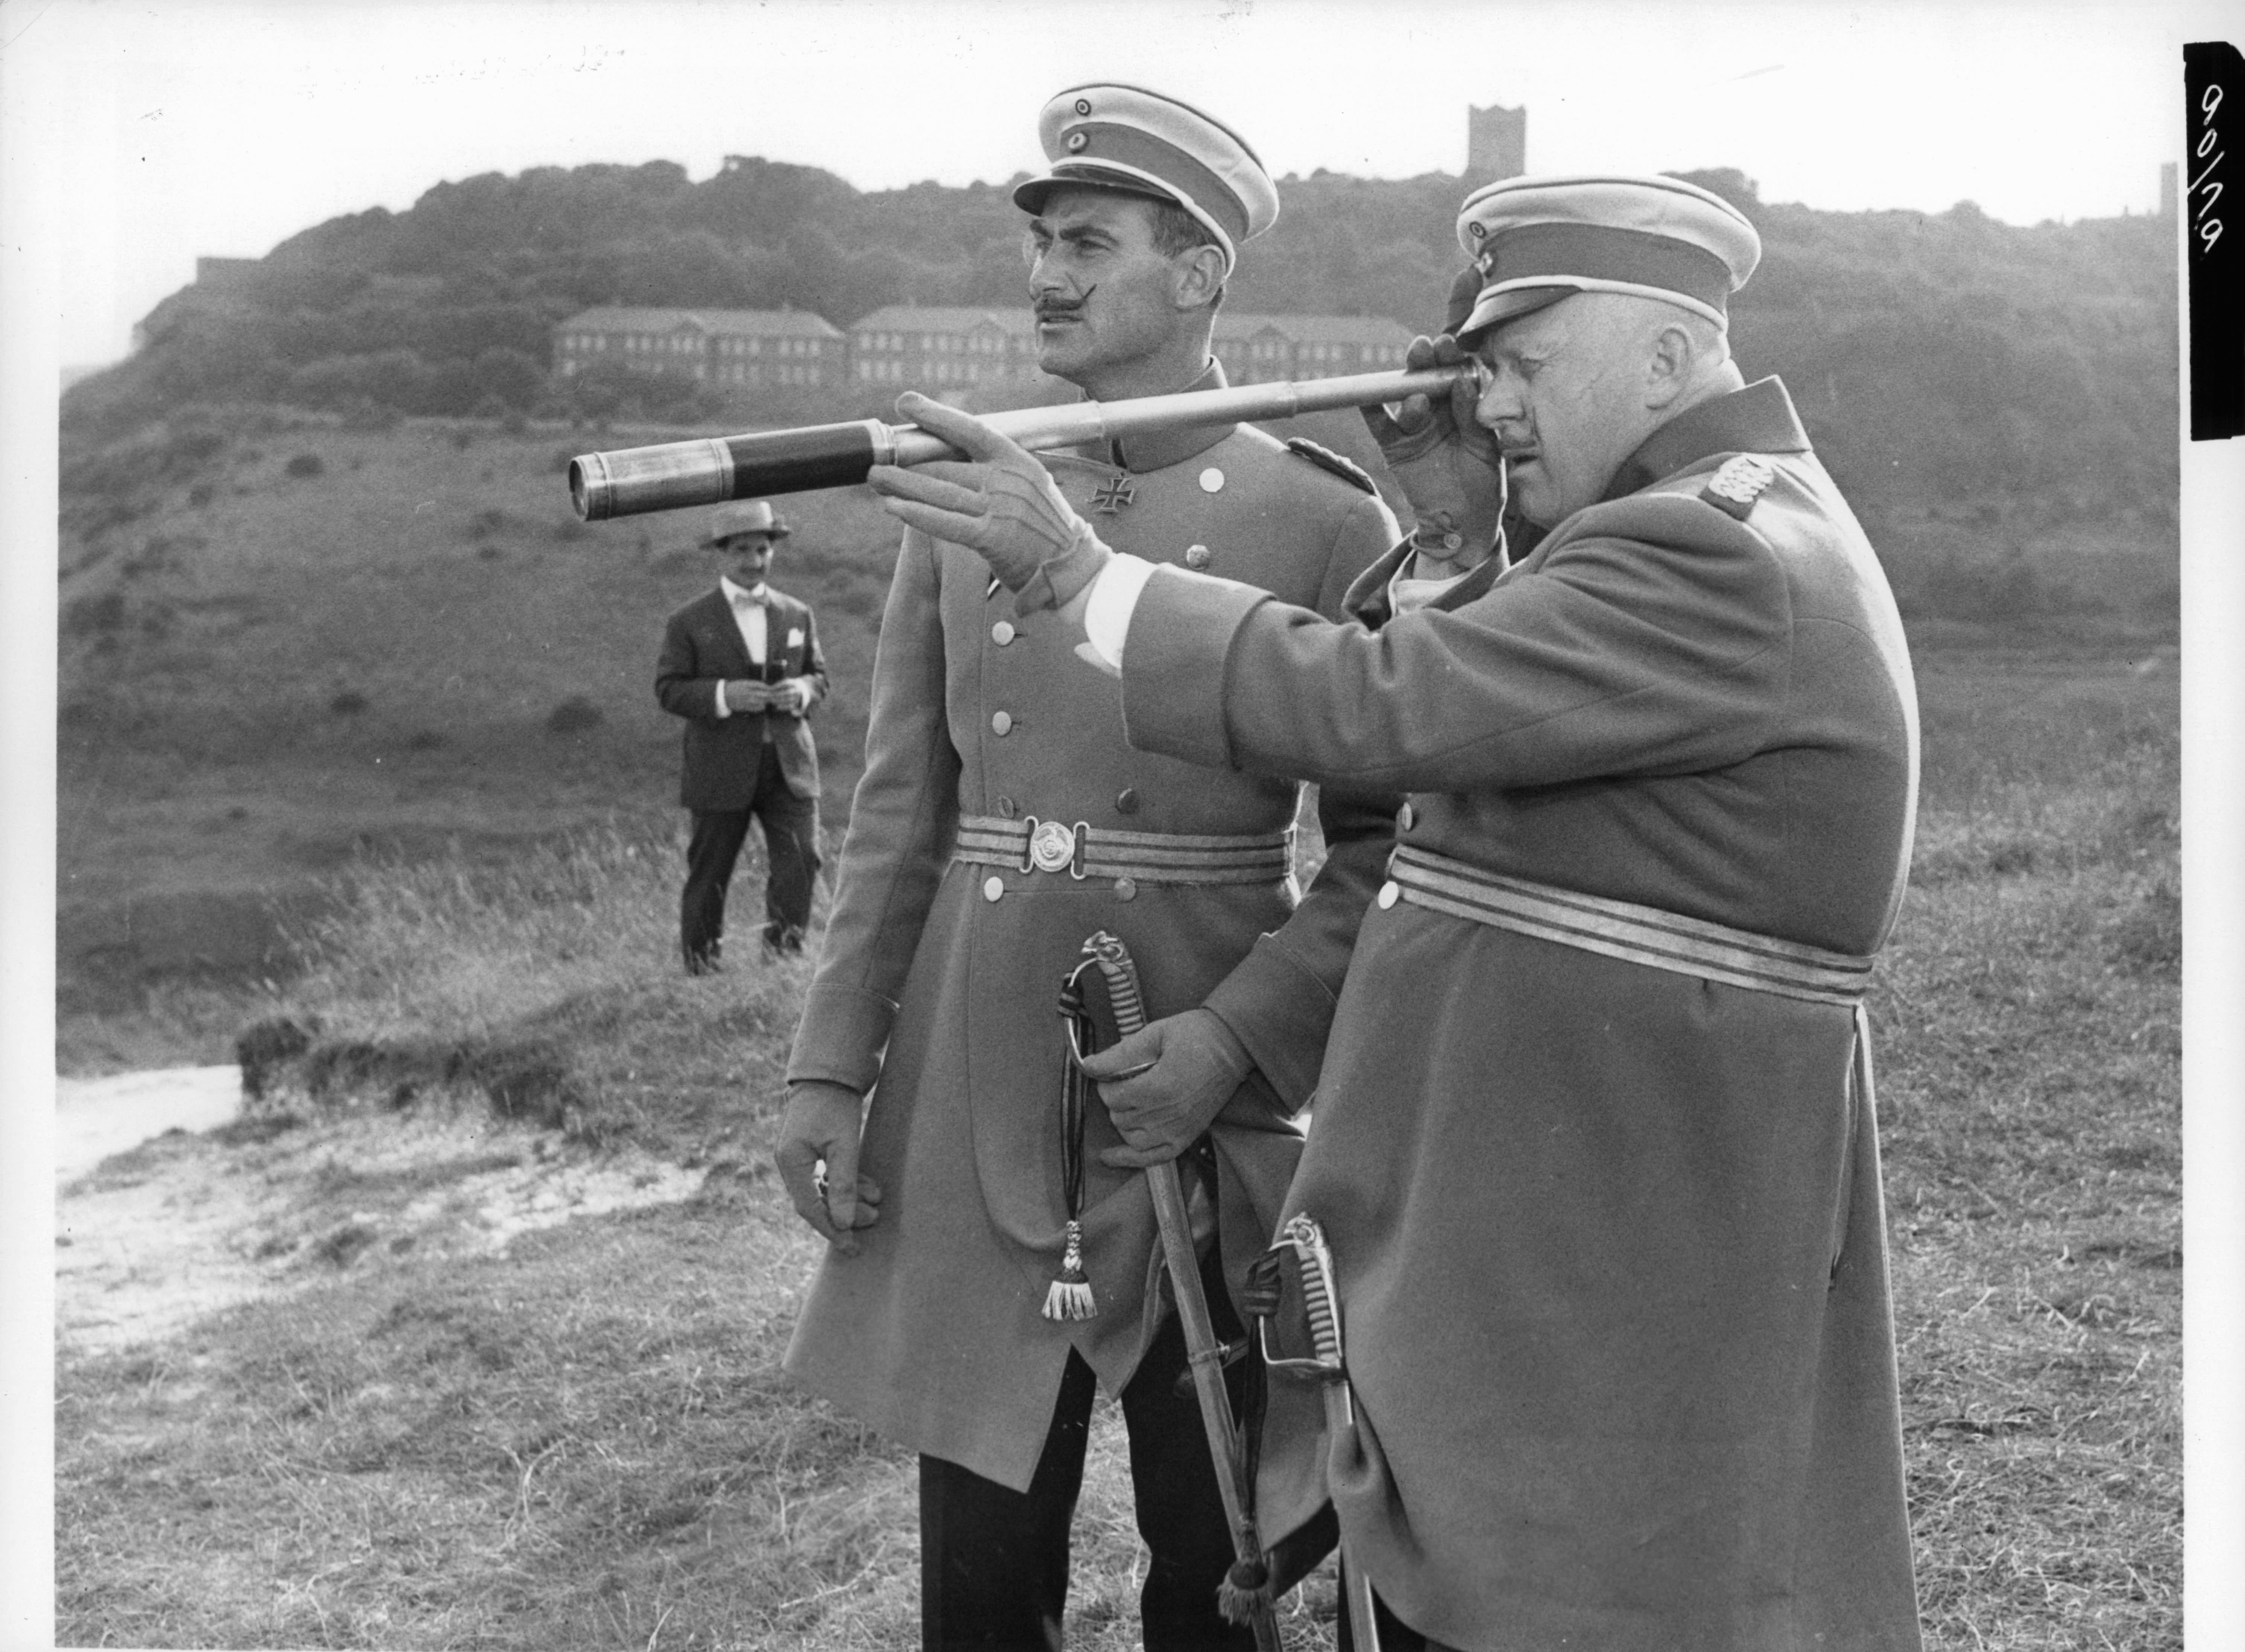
x=788, y=697
x=1197, y=1063
x=743, y=694
x=1004, y=506
x=1445, y=460
x=817, y=1161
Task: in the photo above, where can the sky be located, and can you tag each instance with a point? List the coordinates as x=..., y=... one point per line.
x=182, y=127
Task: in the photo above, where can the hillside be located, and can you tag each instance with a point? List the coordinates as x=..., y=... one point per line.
x=287, y=644
x=1939, y=358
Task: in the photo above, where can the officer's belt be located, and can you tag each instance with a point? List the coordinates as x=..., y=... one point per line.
x=1082, y=850
x=1624, y=929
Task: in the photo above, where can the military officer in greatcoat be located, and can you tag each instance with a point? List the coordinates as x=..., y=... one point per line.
x=1002, y=821
x=1595, y=1149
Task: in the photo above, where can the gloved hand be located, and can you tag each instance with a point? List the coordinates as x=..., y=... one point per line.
x=1004, y=506
x=1446, y=461
x=820, y=1126
x=1197, y=1062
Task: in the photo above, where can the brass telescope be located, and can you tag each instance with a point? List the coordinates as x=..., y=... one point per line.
x=671, y=475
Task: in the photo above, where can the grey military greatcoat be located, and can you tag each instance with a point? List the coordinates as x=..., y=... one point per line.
x=936, y=987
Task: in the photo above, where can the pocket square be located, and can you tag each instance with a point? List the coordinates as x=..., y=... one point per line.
x=795, y=638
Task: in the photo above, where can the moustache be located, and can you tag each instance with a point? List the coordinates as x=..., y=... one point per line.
x=1048, y=308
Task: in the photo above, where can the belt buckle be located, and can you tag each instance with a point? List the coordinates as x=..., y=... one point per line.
x=1051, y=846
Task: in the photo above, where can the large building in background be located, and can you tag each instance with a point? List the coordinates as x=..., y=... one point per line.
x=726, y=350
x=1261, y=349
x=920, y=346
x=935, y=348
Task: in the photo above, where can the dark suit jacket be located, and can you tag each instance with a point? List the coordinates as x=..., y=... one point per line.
x=702, y=648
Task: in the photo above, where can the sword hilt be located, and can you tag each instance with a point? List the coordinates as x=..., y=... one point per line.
x=1123, y=995
x=1320, y=1303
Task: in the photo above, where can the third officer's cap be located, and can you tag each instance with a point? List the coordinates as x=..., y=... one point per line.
x=1126, y=137
x=1536, y=241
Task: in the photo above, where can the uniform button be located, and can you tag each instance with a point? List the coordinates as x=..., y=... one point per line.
x=1007, y=806
x=1126, y=888
x=995, y=887
x=1003, y=632
x=1126, y=800
x=1406, y=818
x=1196, y=556
x=1212, y=480
x=1388, y=894
x=1001, y=723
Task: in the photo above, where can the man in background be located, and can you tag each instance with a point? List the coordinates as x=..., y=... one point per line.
x=740, y=667
x=1002, y=821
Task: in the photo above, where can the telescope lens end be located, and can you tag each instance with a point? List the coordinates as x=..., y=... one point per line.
x=590, y=497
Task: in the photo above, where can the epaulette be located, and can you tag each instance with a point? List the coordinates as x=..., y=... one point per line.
x=1325, y=459
x=1734, y=489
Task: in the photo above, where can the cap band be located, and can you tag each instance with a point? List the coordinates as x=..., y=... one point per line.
x=1142, y=152
x=1579, y=253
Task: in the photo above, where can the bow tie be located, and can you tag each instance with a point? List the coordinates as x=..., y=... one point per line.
x=748, y=599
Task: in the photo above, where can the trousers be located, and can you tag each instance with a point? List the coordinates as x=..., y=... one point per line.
x=994, y=1561
x=791, y=825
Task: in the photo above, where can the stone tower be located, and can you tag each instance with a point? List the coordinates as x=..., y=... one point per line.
x=1496, y=143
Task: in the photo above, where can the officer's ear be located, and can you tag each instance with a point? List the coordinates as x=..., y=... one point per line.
x=1196, y=277
x=1671, y=365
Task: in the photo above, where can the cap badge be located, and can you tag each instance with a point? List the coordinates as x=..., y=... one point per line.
x=1076, y=140
x=1480, y=230
x=1112, y=497
x=1083, y=106
x=1738, y=484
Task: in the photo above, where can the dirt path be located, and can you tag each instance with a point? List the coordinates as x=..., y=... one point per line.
x=208, y=1214
x=96, y=1117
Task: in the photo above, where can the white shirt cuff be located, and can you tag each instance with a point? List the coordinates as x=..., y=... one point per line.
x=723, y=710
x=1114, y=598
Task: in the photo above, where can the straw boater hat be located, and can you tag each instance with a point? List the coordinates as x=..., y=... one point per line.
x=1536, y=241
x=756, y=516
x=1126, y=137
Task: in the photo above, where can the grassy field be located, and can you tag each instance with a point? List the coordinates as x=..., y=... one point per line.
x=583, y=1439
x=358, y=744
x=286, y=643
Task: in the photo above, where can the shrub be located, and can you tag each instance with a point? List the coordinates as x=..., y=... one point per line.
x=306, y=464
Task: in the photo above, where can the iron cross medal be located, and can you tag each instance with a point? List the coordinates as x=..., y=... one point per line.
x=1113, y=496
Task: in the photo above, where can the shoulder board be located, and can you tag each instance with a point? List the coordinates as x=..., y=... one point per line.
x=1734, y=489
x=1325, y=459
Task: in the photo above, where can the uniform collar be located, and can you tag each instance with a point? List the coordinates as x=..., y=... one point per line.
x=1158, y=449
x=1367, y=598
x=1757, y=419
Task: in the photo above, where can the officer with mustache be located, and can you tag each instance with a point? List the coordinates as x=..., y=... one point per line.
x=984, y=1271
